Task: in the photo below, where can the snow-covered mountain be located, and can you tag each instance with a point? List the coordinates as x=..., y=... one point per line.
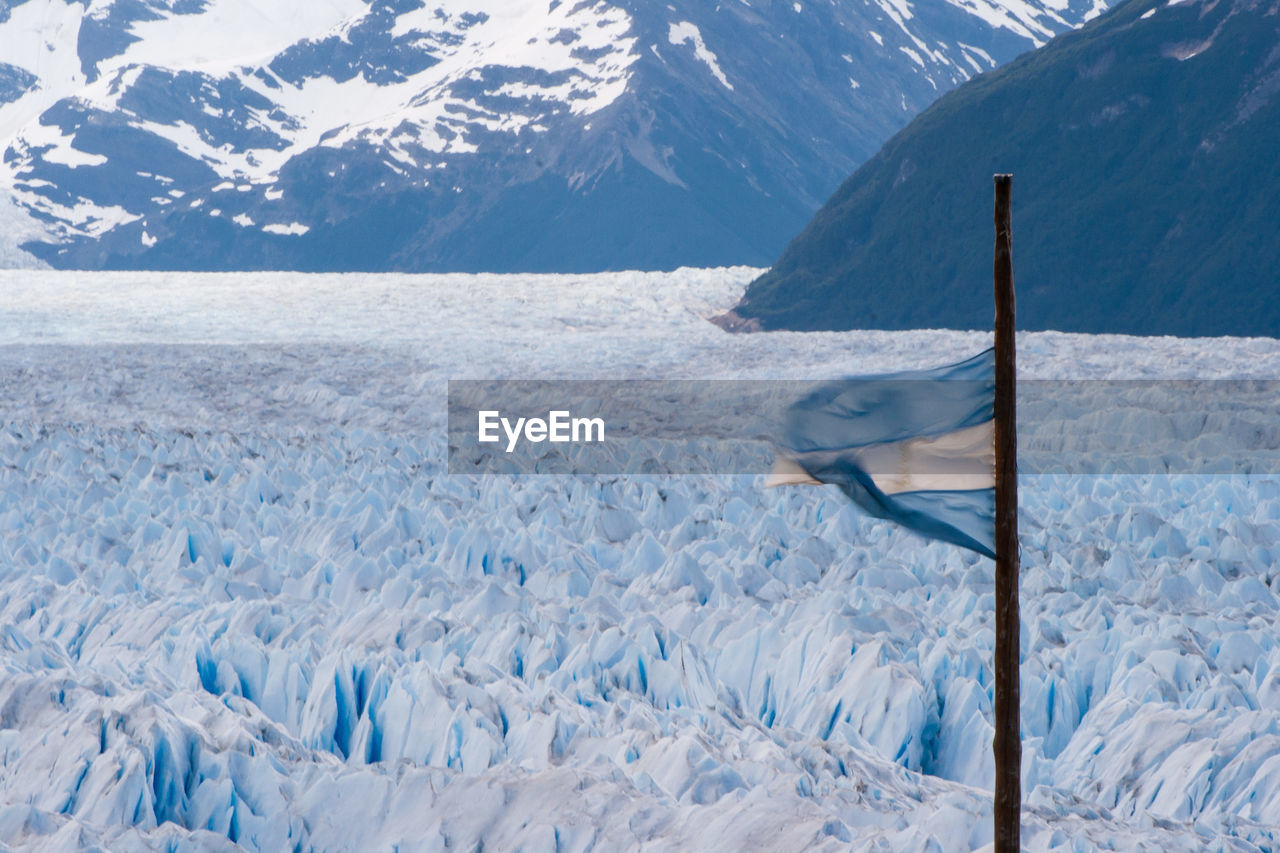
x=461, y=134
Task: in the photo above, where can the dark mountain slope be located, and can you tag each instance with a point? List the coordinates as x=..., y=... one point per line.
x=1145, y=150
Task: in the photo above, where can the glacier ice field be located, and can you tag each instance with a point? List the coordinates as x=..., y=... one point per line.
x=243, y=606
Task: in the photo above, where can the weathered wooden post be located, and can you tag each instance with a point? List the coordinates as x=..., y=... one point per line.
x=1008, y=743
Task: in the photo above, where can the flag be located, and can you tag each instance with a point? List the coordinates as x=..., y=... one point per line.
x=915, y=447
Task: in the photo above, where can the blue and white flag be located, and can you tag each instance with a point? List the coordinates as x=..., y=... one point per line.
x=915, y=447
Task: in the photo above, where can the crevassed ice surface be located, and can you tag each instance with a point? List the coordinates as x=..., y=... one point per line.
x=242, y=605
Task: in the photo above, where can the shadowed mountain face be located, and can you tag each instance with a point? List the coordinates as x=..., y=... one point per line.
x=463, y=134
x=1146, y=162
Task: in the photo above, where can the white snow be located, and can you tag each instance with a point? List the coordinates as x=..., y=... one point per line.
x=686, y=33
x=522, y=34
x=87, y=217
x=912, y=55
x=1016, y=16
x=243, y=606
x=40, y=37
x=57, y=148
x=228, y=34
x=900, y=12
x=238, y=39
x=295, y=229
x=16, y=227
x=970, y=52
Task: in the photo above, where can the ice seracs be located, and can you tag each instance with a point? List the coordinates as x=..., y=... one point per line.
x=244, y=606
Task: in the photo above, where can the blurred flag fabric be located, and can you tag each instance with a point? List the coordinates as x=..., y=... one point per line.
x=915, y=447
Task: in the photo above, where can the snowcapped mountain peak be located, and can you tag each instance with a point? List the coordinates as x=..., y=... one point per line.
x=152, y=132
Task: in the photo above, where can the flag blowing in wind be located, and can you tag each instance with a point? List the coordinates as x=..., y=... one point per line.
x=915, y=447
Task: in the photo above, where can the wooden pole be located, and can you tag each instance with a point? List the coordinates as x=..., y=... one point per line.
x=1008, y=744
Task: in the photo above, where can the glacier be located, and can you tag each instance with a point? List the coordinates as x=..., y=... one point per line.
x=243, y=605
